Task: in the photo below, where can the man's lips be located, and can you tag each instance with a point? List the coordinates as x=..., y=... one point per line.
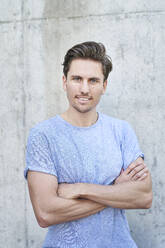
x=83, y=98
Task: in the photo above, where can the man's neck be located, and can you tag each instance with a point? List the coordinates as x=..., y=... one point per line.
x=80, y=119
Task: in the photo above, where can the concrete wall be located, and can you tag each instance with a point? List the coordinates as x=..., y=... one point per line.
x=34, y=36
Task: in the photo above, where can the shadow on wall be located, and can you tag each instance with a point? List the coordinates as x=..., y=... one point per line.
x=51, y=37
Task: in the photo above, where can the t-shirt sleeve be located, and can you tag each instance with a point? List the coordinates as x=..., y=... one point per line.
x=38, y=154
x=130, y=146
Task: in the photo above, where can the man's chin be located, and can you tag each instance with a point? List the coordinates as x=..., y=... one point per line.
x=82, y=110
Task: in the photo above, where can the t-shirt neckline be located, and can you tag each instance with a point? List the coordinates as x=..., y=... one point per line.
x=77, y=127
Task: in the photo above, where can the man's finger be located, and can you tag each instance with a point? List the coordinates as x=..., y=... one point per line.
x=137, y=169
x=143, y=177
x=132, y=166
x=140, y=174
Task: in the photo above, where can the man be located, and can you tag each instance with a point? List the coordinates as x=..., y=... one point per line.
x=83, y=167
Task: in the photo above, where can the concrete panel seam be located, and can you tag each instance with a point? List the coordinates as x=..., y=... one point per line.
x=24, y=118
x=120, y=14
x=162, y=12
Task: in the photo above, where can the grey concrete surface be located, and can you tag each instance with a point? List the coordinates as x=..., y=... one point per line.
x=34, y=36
x=74, y=8
x=10, y=10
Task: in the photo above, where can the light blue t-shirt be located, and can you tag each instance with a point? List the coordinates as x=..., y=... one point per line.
x=94, y=154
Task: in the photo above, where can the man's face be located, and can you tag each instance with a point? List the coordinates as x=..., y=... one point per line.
x=84, y=84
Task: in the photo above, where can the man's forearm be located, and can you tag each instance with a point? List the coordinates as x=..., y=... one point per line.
x=131, y=189
x=128, y=195
x=62, y=210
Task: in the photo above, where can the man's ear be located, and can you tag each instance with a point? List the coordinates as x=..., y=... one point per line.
x=104, y=86
x=64, y=82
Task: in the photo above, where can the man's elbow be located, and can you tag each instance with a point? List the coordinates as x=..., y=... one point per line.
x=147, y=201
x=45, y=220
x=148, y=195
x=42, y=219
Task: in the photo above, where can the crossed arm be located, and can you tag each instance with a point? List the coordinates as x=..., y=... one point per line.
x=50, y=208
x=53, y=203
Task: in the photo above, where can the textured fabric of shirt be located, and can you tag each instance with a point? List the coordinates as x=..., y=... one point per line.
x=94, y=154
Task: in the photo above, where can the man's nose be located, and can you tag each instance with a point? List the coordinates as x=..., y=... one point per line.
x=84, y=87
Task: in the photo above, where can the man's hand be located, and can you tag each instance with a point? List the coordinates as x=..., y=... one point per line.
x=132, y=189
x=135, y=171
x=69, y=191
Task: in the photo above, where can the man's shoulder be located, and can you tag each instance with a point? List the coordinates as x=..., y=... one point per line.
x=120, y=128
x=45, y=126
x=117, y=126
x=119, y=123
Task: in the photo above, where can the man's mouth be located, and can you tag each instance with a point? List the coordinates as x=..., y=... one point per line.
x=82, y=98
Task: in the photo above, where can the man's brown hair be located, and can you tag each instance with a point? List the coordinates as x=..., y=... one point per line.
x=88, y=50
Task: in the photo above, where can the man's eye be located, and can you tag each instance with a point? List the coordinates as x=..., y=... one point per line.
x=93, y=80
x=77, y=79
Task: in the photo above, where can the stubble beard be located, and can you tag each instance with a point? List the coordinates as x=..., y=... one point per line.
x=80, y=110
x=86, y=109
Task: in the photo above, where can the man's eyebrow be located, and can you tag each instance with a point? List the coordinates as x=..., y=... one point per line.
x=73, y=76
x=90, y=78
x=96, y=78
